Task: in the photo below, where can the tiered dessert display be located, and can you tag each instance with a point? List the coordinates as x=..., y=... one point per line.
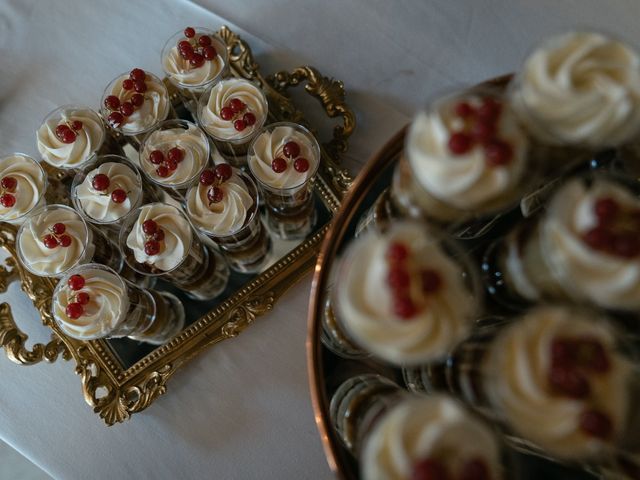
x=489, y=253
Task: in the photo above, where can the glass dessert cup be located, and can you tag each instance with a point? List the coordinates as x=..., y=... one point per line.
x=92, y=301
x=192, y=81
x=394, y=434
x=181, y=257
x=232, y=112
x=287, y=188
x=56, y=238
x=244, y=242
x=333, y=336
x=23, y=183
x=184, y=152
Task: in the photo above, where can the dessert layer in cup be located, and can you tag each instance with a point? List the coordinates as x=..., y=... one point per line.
x=466, y=156
x=184, y=153
x=70, y=136
x=23, y=183
x=580, y=88
x=167, y=322
x=407, y=295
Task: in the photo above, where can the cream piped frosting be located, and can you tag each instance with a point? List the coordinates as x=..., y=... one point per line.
x=269, y=145
x=177, y=236
x=435, y=428
x=31, y=183
x=516, y=380
x=179, y=69
x=219, y=96
x=367, y=307
x=580, y=88
x=98, y=205
x=88, y=140
x=107, y=307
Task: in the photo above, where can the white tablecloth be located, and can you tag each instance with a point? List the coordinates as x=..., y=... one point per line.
x=242, y=409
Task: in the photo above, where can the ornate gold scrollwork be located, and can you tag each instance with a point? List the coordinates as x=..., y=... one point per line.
x=245, y=314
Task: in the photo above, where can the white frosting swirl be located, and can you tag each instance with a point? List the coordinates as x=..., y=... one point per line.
x=269, y=145
x=434, y=427
x=177, y=236
x=219, y=96
x=53, y=261
x=179, y=69
x=516, y=376
x=365, y=301
x=31, y=183
x=225, y=217
x=154, y=109
x=581, y=88
x=464, y=181
x=98, y=204
x=70, y=155
x=588, y=274
x=107, y=308
x=191, y=140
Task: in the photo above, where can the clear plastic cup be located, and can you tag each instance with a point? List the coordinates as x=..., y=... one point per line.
x=23, y=183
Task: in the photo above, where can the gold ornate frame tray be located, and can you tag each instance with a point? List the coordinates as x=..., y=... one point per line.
x=121, y=376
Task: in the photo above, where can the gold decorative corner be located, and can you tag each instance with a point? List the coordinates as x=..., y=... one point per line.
x=246, y=313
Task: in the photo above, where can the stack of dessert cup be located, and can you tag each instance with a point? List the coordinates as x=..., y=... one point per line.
x=512, y=192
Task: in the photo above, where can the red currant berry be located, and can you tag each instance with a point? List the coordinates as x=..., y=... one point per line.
x=60, y=129
x=569, y=382
x=226, y=113
x=76, y=282
x=139, y=86
x=215, y=194
x=209, y=52
x=301, y=164
x=172, y=165
x=291, y=150
x=149, y=227
x=162, y=171
x=158, y=236
x=9, y=183
x=83, y=298
x=475, y=469
x=112, y=102
x=460, y=143
x=207, y=177
x=279, y=165
x=118, y=195
x=64, y=240
x=50, y=241
x=397, y=252
x=74, y=310
x=126, y=109
x=115, y=119
x=223, y=171
x=606, y=209
x=429, y=469
x=151, y=247
x=77, y=125
x=189, y=32
x=591, y=354
x=184, y=45
x=464, y=110
x=137, y=99
x=176, y=154
x=239, y=125
x=483, y=132
x=196, y=60
x=204, y=40
x=626, y=245
x=489, y=111
x=598, y=238
x=249, y=118
x=404, y=308
x=137, y=75
x=398, y=278
x=127, y=84
x=595, y=423
x=498, y=153
x=100, y=182
x=7, y=200
x=58, y=228
x=156, y=157
x=431, y=281
x=236, y=105
x=66, y=135
x=186, y=52
x=562, y=352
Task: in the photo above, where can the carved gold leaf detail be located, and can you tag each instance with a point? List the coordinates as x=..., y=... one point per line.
x=245, y=314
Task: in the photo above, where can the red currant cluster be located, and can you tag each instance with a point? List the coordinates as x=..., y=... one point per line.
x=57, y=237
x=75, y=309
x=481, y=128
x=166, y=164
x=399, y=280
x=234, y=111
x=291, y=150
x=573, y=360
x=101, y=183
x=213, y=179
x=617, y=231
x=433, y=469
x=66, y=132
x=199, y=51
x=120, y=110
x=154, y=236
x=8, y=187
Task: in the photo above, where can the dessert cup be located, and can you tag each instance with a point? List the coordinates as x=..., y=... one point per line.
x=223, y=206
x=408, y=295
x=394, y=434
x=284, y=158
x=157, y=240
x=23, y=183
x=92, y=301
x=56, y=238
x=192, y=80
x=174, y=154
x=333, y=336
x=232, y=112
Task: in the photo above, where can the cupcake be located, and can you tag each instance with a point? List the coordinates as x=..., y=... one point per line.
x=23, y=183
